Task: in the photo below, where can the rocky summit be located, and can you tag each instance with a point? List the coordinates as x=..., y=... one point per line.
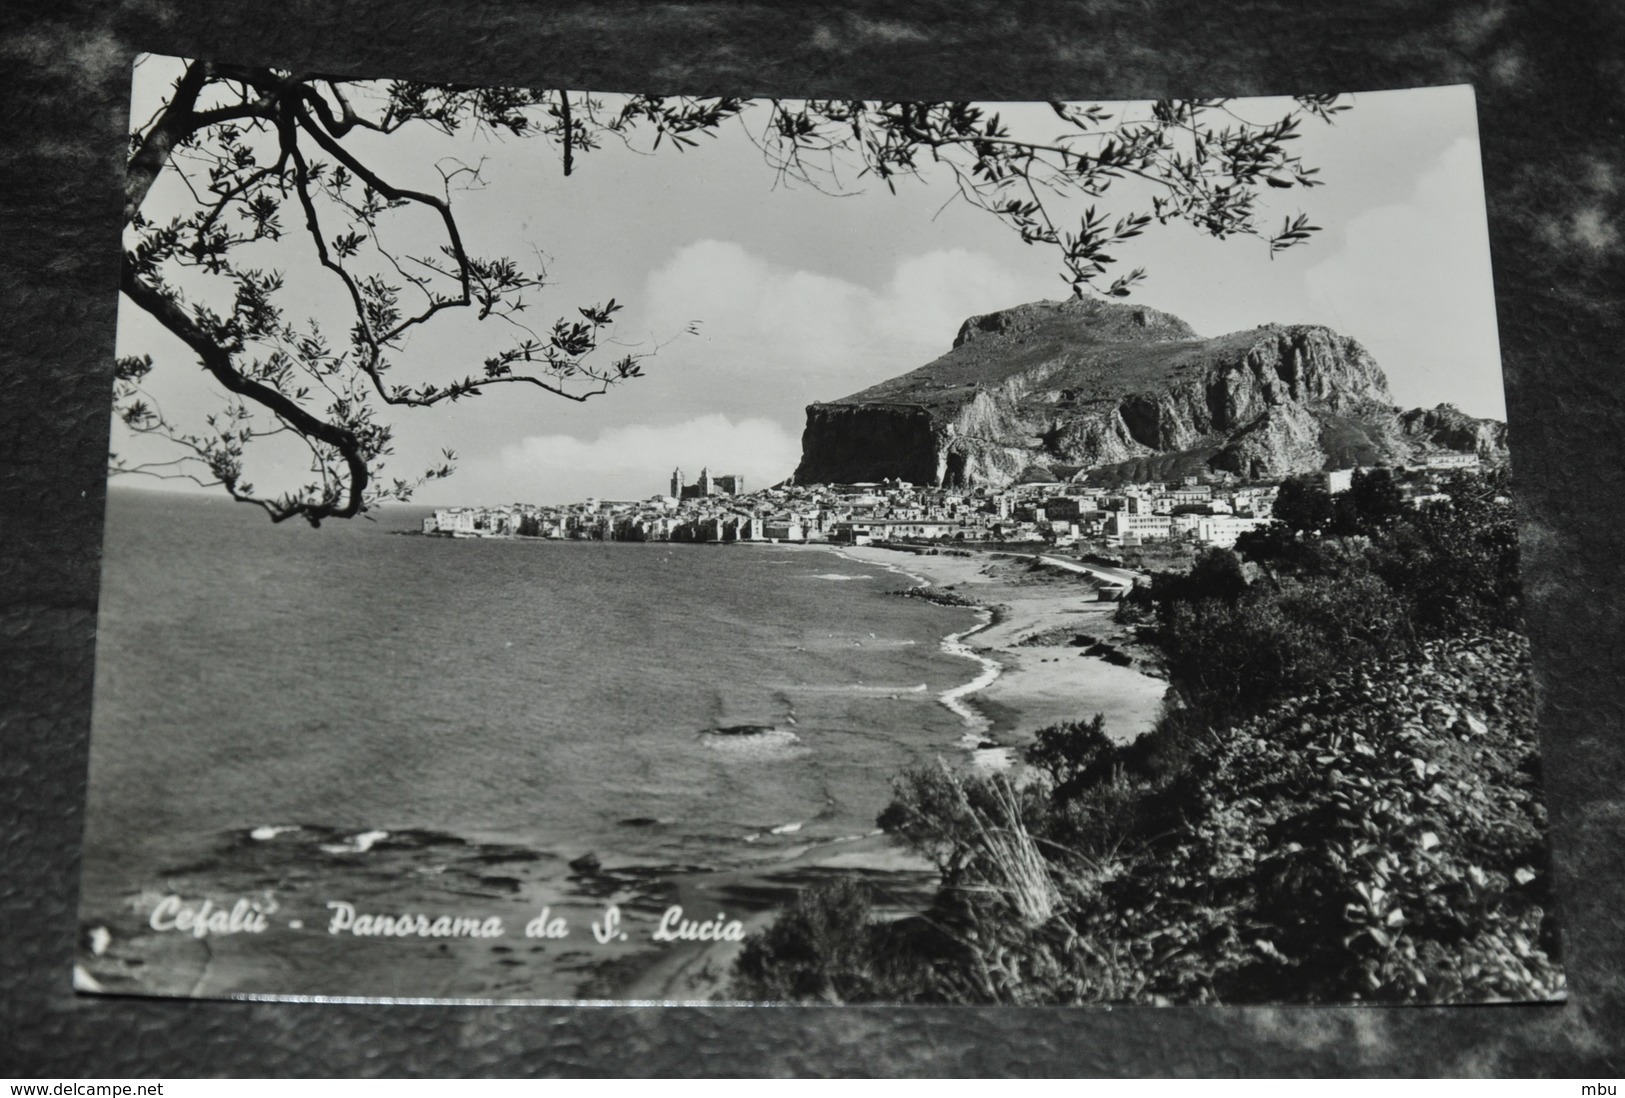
x=1111, y=392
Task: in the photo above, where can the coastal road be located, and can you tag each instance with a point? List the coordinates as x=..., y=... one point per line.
x=1115, y=576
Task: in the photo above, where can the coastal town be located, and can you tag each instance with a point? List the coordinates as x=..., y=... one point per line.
x=1212, y=510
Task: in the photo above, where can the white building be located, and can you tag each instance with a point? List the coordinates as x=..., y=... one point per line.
x=1140, y=527
x=1223, y=530
x=784, y=528
x=450, y=520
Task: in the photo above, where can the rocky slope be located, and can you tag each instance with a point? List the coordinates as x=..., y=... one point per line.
x=1050, y=390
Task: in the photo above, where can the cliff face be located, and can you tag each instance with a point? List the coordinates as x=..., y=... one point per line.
x=1045, y=390
x=1449, y=428
x=864, y=442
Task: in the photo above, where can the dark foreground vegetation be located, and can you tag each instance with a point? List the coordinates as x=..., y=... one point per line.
x=1341, y=802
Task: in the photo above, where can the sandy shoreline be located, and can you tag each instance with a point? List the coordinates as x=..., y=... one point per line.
x=1020, y=689
x=1042, y=684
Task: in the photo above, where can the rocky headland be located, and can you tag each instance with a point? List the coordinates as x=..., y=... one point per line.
x=1054, y=390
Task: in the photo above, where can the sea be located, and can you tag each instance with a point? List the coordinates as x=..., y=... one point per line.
x=301, y=726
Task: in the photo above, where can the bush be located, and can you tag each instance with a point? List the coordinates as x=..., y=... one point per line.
x=1071, y=753
x=1456, y=563
x=1349, y=577
x=818, y=950
x=1234, y=659
x=1379, y=837
x=1340, y=802
x=975, y=827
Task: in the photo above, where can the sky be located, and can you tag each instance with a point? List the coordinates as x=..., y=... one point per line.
x=755, y=299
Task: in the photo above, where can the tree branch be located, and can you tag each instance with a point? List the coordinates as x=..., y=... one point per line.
x=173, y=126
x=218, y=362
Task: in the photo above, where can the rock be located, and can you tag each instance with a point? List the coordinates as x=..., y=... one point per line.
x=1051, y=388
x=588, y=863
x=1447, y=427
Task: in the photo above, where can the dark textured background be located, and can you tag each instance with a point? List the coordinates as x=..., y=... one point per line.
x=1551, y=82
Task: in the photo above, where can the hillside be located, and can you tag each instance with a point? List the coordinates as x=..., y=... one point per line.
x=1379, y=840
x=1052, y=390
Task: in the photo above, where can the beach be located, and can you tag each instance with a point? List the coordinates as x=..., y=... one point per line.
x=1023, y=687
x=1036, y=684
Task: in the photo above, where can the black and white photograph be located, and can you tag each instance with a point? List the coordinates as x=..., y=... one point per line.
x=595, y=546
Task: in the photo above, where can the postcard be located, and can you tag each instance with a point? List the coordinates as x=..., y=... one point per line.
x=608, y=547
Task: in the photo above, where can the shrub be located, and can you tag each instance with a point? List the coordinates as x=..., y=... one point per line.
x=819, y=949
x=1071, y=752
x=1340, y=800
x=1233, y=659
x=975, y=828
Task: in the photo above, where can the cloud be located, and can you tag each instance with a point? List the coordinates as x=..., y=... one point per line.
x=1414, y=279
x=930, y=296
x=771, y=339
x=753, y=314
x=631, y=462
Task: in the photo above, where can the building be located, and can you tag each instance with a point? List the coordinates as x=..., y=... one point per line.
x=1067, y=508
x=1128, y=526
x=1260, y=502
x=784, y=528
x=861, y=531
x=1223, y=530
x=1451, y=461
x=707, y=485
x=453, y=520
x=742, y=528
